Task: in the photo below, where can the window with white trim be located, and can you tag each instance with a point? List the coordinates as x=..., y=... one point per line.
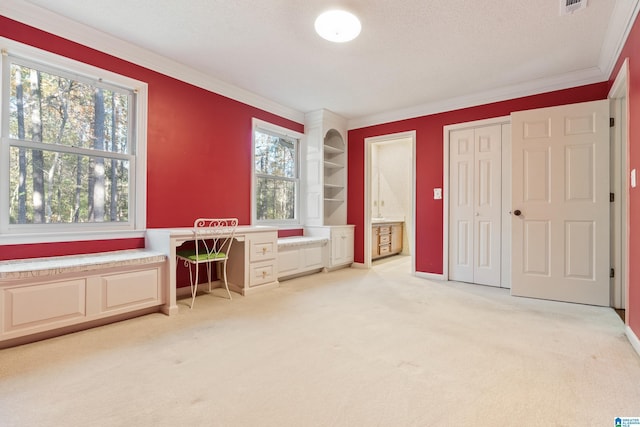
x=71, y=151
x=276, y=174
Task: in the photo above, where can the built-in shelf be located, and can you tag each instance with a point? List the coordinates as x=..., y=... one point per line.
x=332, y=150
x=332, y=165
x=326, y=156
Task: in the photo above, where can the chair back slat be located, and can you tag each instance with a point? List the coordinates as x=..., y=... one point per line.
x=214, y=236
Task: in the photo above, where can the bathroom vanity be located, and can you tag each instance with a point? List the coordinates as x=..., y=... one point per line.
x=386, y=238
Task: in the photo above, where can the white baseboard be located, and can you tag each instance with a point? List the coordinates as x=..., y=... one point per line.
x=430, y=276
x=633, y=339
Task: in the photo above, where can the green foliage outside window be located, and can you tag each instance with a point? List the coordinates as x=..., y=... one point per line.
x=276, y=176
x=70, y=149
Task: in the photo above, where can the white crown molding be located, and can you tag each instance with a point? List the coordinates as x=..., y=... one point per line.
x=622, y=19
x=27, y=13
x=564, y=81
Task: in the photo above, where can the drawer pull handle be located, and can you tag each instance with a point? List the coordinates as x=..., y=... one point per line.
x=264, y=274
x=264, y=250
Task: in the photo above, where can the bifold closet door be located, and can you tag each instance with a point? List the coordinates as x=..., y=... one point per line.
x=475, y=205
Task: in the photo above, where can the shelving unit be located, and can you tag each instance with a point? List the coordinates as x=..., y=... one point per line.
x=325, y=208
x=326, y=164
x=334, y=176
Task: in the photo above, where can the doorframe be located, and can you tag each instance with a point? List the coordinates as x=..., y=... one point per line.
x=619, y=185
x=368, y=142
x=502, y=120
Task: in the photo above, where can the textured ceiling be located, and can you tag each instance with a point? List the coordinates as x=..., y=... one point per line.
x=410, y=52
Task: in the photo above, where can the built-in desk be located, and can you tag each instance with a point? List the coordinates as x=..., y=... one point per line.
x=252, y=263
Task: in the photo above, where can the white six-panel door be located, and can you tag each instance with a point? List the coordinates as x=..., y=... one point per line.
x=560, y=200
x=475, y=205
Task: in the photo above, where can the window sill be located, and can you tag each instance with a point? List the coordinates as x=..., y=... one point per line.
x=20, y=239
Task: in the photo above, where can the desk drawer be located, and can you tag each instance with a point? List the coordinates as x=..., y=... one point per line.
x=385, y=249
x=384, y=239
x=263, y=246
x=384, y=229
x=261, y=273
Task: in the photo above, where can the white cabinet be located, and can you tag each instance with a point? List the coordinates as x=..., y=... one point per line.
x=40, y=303
x=253, y=262
x=340, y=249
x=341, y=246
x=300, y=255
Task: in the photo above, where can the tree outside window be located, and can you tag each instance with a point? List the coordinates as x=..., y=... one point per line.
x=70, y=148
x=276, y=176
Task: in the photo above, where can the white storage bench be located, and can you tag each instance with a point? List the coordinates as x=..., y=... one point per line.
x=299, y=255
x=45, y=297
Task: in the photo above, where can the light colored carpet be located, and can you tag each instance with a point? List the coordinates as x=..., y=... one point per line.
x=348, y=348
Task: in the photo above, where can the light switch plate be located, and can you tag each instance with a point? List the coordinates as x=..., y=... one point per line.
x=437, y=193
x=633, y=178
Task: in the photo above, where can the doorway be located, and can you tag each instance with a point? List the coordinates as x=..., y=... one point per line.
x=390, y=196
x=618, y=96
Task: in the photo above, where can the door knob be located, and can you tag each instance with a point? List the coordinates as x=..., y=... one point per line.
x=517, y=212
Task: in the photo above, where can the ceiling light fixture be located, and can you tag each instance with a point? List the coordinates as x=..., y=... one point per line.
x=338, y=26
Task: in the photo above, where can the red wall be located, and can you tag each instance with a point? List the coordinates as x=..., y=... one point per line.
x=193, y=136
x=631, y=50
x=429, y=165
x=193, y=133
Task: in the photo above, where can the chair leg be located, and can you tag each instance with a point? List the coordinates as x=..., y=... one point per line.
x=209, y=275
x=194, y=287
x=226, y=284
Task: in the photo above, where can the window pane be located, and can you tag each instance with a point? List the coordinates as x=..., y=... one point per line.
x=55, y=109
x=275, y=155
x=53, y=187
x=275, y=199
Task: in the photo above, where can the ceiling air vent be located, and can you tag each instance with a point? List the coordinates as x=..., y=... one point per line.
x=567, y=7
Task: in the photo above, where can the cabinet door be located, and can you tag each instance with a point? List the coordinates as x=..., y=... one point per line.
x=374, y=242
x=396, y=238
x=342, y=246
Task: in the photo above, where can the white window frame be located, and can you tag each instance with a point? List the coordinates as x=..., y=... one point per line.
x=257, y=124
x=42, y=233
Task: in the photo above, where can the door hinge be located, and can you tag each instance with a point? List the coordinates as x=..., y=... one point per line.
x=612, y=122
x=612, y=273
x=612, y=197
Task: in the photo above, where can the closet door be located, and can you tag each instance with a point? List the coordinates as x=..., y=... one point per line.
x=475, y=205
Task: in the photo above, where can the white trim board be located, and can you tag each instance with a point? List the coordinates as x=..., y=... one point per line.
x=621, y=22
x=45, y=20
x=412, y=135
x=534, y=87
x=633, y=339
x=622, y=19
x=430, y=276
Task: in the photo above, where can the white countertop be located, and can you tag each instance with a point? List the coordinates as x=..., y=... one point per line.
x=386, y=220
